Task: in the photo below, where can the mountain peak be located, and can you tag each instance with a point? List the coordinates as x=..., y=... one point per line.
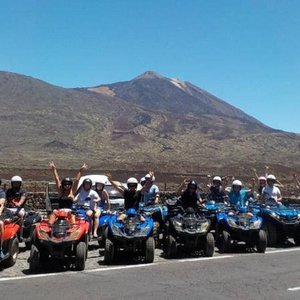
x=149, y=75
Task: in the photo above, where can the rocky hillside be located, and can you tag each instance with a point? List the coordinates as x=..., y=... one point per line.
x=148, y=122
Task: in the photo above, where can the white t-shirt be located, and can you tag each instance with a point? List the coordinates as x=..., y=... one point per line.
x=271, y=192
x=83, y=195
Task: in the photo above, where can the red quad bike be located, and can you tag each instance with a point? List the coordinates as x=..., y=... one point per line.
x=10, y=242
x=62, y=240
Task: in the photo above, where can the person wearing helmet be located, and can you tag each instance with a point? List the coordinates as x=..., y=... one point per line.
x=216, y=190
x=16, y=197
x=189, y=195
x=15, y=200
x=238, y=195
x=86, y=193
x=271, y=192
x=132, y=196
x=142, y=181
x=261, y=180
x=103, y=195
x=150, y=191
x=66, y=189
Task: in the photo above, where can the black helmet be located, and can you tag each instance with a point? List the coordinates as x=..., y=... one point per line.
x=192, y=183
x=67, y=180
x=87, y=180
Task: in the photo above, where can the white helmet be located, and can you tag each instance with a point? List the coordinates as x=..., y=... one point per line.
x=217, y=178
x=272, y=177
x=132, y=180
x=101, y=180
x=16, y=179
x=262, y=178
x=142, y=179
x=148, y=176
x=237, y=183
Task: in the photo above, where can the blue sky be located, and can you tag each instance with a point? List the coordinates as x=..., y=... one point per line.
x=244, y=52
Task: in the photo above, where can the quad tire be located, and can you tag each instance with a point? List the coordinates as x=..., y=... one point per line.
x=224, y=242
x=209, y=247
x=171, y=247
x=261, y=243
x=13, y=253
x=109, y=252
x=101, y=239
x=297, y=236
x=149, y=252
x=81, y=255
x=271, y=232
x=34, y=259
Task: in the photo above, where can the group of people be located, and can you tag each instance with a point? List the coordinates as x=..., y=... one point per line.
x=136, y=193
x=98, y=198
x=220, y=190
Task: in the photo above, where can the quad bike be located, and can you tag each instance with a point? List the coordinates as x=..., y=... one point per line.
x=102, y=230
x=187, y=229
x=210, y=209
x=27, y=225
x=63, y=240
x=279, y=221
x=158, y=213
x=133, y=234
x=10, y=245
x=239, y=224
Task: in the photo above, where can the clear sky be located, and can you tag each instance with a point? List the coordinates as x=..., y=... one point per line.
x=245, y=52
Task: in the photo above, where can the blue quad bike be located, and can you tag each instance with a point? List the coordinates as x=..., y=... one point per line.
x=158, y=213
x=187, y=230
x=210, y=208
x=238, y=224
x=133, y=234
x=279, y=221
x=102, y=231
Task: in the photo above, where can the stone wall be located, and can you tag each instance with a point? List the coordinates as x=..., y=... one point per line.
x=36, y=201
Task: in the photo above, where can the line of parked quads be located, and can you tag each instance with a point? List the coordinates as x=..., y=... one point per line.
x=167, y=226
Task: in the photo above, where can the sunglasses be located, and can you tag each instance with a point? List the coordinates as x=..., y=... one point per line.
x=192, y=188
x=131, y=185
x=67, y=184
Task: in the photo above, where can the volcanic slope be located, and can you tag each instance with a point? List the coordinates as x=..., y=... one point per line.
x=150, y=121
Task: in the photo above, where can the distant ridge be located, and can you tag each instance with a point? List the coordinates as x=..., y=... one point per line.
x=151, y=121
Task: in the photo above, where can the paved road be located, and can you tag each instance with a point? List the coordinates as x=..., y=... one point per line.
x=273, y=275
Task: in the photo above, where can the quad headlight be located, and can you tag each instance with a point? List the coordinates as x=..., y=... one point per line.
x=144, y=230
x=203, y=227
x=232, y=223
x=177, y=225
x=274, y=215
x=255, y=225
x=115, y=229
